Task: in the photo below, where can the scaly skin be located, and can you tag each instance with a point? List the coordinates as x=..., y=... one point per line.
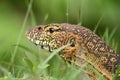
x=85, y=46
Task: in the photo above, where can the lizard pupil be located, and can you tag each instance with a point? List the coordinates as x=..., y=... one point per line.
x=51, y=30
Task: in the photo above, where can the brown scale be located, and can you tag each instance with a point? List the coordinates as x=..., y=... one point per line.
x=88, y=46
x=96, y=46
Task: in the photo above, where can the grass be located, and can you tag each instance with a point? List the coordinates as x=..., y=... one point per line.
x=25, y=61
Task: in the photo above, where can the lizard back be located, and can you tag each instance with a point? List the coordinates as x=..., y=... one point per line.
x=83, y=41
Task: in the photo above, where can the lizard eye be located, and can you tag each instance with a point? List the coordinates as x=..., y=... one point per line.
x=51, y=30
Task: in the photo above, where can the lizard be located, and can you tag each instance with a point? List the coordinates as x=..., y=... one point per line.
x=85, y=46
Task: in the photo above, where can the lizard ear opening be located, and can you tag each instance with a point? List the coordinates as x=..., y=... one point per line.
x=72, y=42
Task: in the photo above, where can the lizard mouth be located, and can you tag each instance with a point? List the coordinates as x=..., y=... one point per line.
x=43, y=44
x=41, y=41
x=46, y=48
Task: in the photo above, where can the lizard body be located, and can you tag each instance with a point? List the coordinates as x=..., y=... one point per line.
x=85, y=46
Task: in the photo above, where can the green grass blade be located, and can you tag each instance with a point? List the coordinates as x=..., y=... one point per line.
x=54, y=53
x=22, y=29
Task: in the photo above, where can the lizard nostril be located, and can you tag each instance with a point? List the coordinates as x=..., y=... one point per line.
x=39, y=28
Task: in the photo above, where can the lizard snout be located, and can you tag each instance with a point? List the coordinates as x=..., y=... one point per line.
x=27, y=34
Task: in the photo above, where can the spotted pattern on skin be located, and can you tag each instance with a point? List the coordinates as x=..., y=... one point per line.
x=87, y=46
x=103, y=59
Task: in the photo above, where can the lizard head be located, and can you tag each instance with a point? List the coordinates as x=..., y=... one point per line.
x=50, y=36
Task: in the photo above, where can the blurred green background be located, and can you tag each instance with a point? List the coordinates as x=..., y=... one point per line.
x=104, y=13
